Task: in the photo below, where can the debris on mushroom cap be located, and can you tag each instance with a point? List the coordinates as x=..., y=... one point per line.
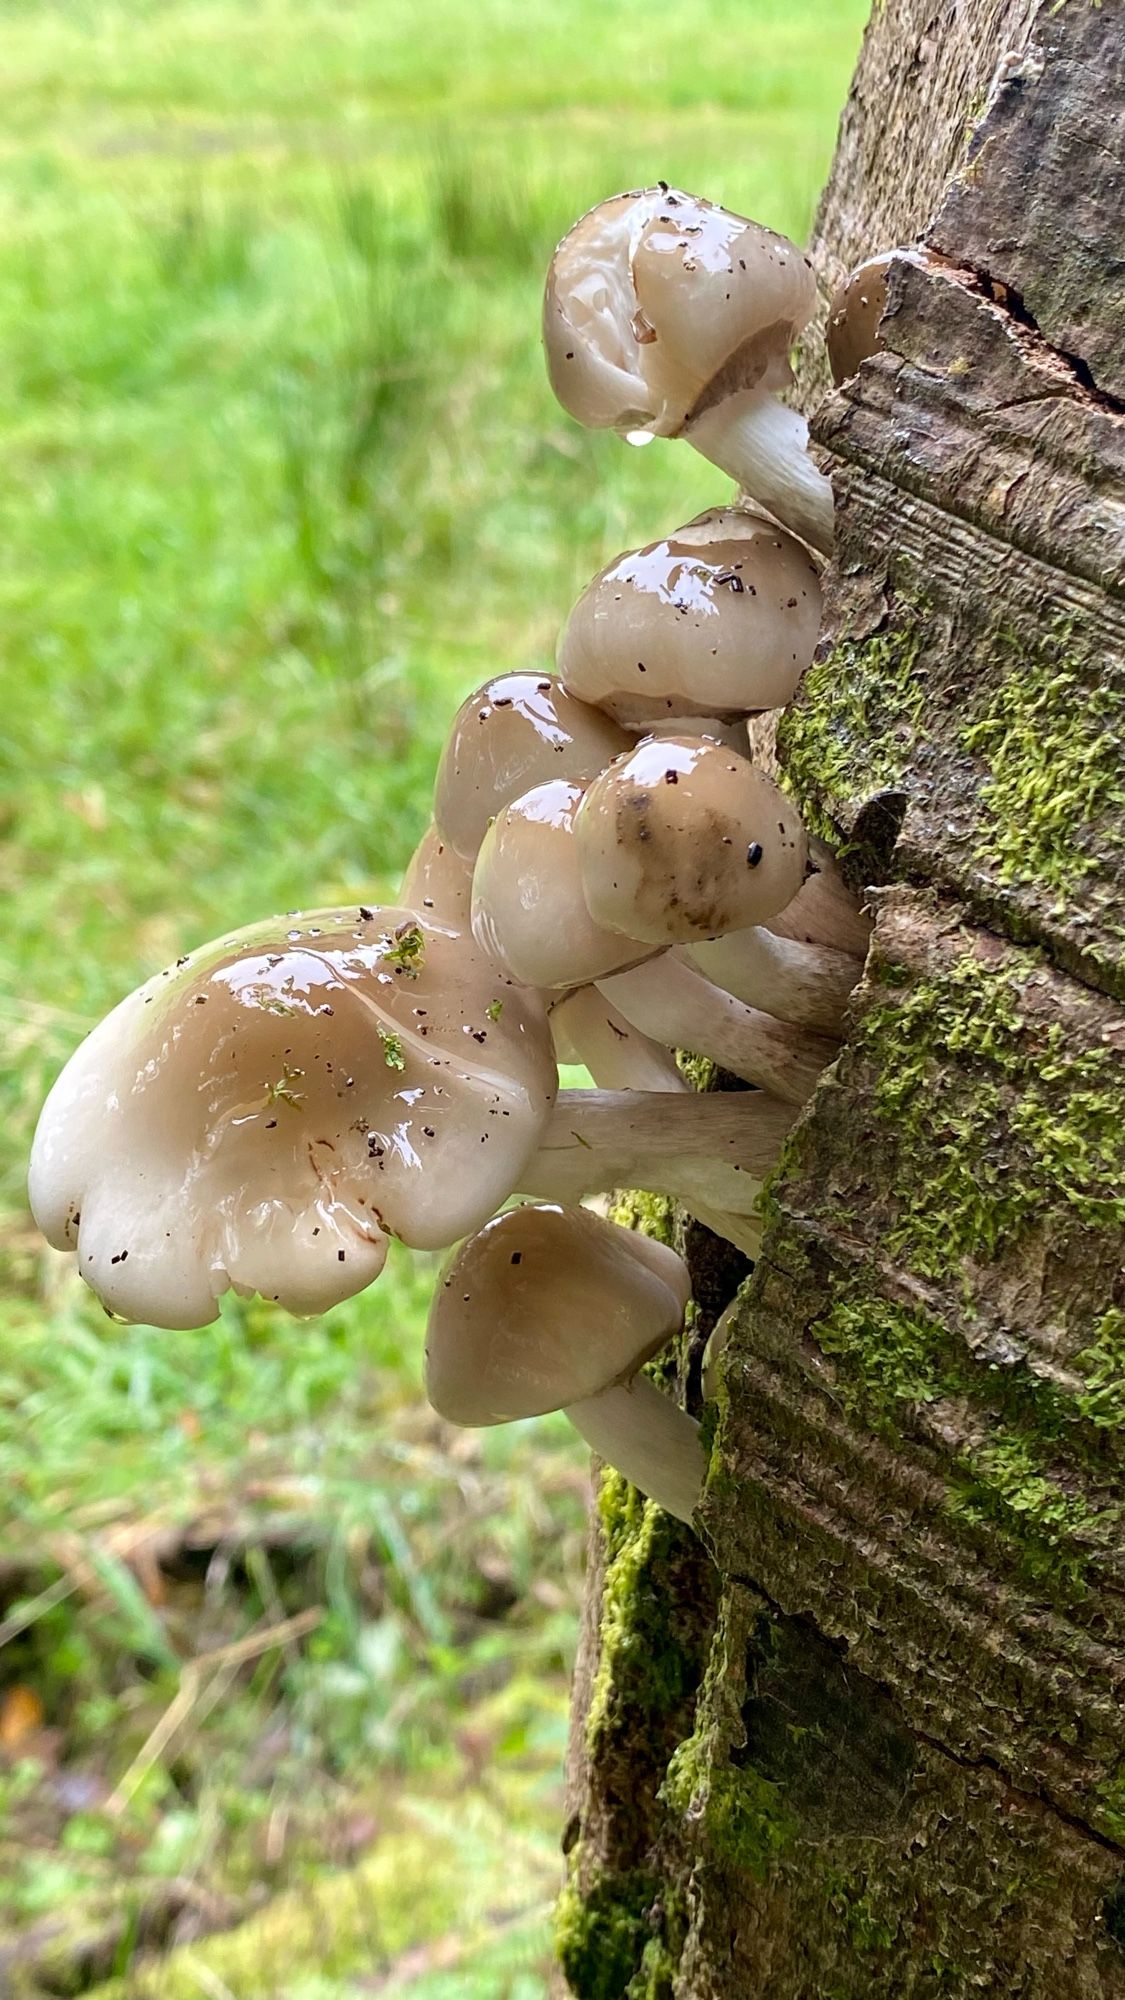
x=438, y=882
x=684, y=839
x=515, y=732
x=659, y=303
x=857, y=308
x=269, y=1111
x=545, y=1306
x=529, y=913
x=721, y=618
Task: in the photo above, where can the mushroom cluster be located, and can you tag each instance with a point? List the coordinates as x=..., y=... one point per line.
x=607, y=879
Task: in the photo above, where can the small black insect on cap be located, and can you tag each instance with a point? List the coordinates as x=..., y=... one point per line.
x=753, y=853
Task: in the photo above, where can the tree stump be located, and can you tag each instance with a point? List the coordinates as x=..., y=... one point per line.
x=865, y=1735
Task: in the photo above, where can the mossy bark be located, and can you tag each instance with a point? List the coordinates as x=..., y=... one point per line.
x=865, y=1734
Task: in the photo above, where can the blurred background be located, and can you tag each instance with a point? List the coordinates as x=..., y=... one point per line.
x=283, y=1661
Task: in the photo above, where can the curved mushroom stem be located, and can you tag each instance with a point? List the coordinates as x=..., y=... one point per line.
x=714, y=1149
x=645, y=1435
x=824, y=910
x=587, y=1029
x=764, y=445
x=673, y=1003
x=804, y=983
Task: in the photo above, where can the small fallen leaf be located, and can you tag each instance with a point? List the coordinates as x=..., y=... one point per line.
x=21, y=1714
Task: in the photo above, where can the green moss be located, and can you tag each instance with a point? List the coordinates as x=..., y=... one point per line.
x=641, y=1664
x=904, y=1355
x=742, y=1815
x=890, y=1356
x=1022, y=1130
x=600, y=1937
x=851, y=732
x=1046, y=737
x=1102, y=1402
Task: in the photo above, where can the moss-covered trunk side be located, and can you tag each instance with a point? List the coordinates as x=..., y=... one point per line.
x=866, y=1735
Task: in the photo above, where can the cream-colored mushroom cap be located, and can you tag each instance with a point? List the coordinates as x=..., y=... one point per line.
x=438, y=881
x=266, y=1113
x=546, y=1306
x=515, y=732
x=659, y=303
x=685, y=839
x=529, y=912
x=720, y=619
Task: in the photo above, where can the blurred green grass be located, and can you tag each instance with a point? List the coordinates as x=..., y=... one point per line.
x=283, y=481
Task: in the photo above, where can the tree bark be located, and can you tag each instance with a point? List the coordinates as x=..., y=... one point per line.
x=864, y=1735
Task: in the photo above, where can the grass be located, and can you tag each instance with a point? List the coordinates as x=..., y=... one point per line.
x=283, y=481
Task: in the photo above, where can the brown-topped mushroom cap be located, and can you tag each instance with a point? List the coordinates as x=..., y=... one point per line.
x=516, y=731
x=686, y=840
x=268, y=1111
x=719, y=619
x=546, y=1306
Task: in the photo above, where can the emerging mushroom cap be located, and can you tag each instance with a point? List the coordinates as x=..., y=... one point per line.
x=659, y=303
x=857, y=308
x=267, y=1112
x=720, y=619
x=515, y=732
x=546, y=1306
x=687, y=840
x=529, y=912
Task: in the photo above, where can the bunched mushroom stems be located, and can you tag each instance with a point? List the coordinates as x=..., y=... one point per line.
x=589, y=1030
x=824, y=911
x=807, y=984
x=716, y=1148
x=672, y=1002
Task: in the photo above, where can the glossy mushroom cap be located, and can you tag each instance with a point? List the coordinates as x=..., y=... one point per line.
x=438, y=882
x=857, y=307
x=659, y=304
x=720, y=619
x=266, y=1113
x=515, y=732
x=687, y=840
x=529, y=912
x=544, y=1307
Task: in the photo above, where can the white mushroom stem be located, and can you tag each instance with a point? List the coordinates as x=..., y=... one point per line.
x=673, y=1003
x=804, y=983
x=645, y=1435
x=764, y=445
x=587, y=1029
x=714, y=1149
x=824, y=910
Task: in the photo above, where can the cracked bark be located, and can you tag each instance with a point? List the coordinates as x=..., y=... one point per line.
x=867, y=1736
